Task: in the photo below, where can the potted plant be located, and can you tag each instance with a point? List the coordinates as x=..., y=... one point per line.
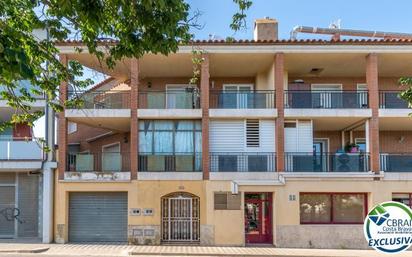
x=351, y=148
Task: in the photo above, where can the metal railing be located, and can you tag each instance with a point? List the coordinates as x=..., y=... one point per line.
x=396, y=162
x=259, y=99
x=110, y=99
x=170, y=162
x=98, y=162
x=391, y=100
x=20, y=148
x=170, y=99
x=242, y=162
x=326, y=162
x=326, y=99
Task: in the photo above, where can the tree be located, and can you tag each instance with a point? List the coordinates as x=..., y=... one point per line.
x=139, y=26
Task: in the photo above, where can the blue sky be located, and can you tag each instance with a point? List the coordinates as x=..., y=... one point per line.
x=383, y=15
x=386, y=15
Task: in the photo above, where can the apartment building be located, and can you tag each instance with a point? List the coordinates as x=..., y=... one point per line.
x=26, y=177
x=282, y=142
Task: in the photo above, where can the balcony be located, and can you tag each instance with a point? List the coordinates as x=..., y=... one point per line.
x=259, y=99
x=170, y=162
x=104, y=166
x=20, y=154
x=303, y=99
x=18, y=149
x=182, y=103
x=171, y=99
x=242, y=162
x=108, y=109
x=110, y=99
x=391, y=100
x=327, y=162
x=396, y=162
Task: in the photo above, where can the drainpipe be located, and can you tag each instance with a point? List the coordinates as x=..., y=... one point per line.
x=336, y=32
x=48, y=167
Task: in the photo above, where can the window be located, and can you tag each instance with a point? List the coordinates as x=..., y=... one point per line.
x=289, y=124
x=332, y=208
x=167, y=136
x=252, y=133
x=226, y=201
x=361, y=142
x=71, y=127
x=170, y=145
x=405, y=198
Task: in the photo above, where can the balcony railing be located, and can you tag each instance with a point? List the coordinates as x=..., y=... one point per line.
x=326, y=99
x=110, y=99
x=12, y=149
x=326, y=162
x=170, y=162
x=171, y=99
x=99, y=162
x=242, y=162
x=261, y=99
x=396, y=162
x=26, y=85
x=391, y=100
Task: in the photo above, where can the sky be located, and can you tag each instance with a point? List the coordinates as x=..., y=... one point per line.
x=216, y=16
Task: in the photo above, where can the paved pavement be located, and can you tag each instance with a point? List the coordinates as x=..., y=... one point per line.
x=48, y=250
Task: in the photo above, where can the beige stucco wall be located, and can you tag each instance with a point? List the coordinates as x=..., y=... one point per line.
x=226, y=227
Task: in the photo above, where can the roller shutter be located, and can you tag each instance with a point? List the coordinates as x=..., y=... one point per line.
x=98, y=217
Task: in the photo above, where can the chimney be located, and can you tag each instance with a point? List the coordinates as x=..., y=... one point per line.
x=266, y=29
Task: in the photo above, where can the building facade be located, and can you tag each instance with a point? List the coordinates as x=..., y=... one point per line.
x=26, y=178
x=282, y=142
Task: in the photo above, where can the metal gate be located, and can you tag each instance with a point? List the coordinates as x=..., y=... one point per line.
x=19, y=205
x=98, y=217
x=180, y=218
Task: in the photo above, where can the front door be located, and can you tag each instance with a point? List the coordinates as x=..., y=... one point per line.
x=258, y=218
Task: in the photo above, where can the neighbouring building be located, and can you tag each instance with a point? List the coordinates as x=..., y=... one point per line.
x=26, y=178
x=283, y=142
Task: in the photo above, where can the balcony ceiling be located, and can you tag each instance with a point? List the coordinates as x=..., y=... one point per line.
x=247, y=65
x=114, y=124
x=346, y=65
x=395, y=124
x=337, y=123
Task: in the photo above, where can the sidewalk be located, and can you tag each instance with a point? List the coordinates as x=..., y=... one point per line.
x=127, y=250
x=23, y=248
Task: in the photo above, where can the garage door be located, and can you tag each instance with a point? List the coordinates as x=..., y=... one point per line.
x=98, y=217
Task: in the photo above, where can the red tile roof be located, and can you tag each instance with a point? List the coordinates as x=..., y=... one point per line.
x=369, y=41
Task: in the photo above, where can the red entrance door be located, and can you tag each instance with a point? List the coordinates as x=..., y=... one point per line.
x=258, y=218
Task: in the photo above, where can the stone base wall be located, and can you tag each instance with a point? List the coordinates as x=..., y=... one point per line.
x=207, y=233
x=143, y=235
x=321, y=236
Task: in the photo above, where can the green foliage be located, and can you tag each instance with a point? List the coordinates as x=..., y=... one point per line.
x=406, y=94
x=138, y=26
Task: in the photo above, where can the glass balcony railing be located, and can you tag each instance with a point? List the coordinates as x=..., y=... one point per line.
x=242, y=162
x=20, y=149
x=391, y=100
x=98, y=162
x=326, y=99
x=110, y=99
x=170, y=162
x=261, y=99
x=396, y=162
x=25, y=85
x=170, y=99
x=326, y=162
